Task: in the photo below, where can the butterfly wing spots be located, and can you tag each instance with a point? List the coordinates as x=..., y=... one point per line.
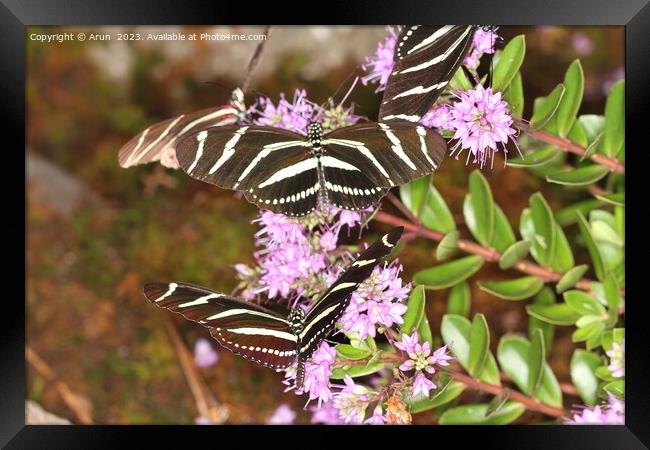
x=275, y=351
x=351, y=190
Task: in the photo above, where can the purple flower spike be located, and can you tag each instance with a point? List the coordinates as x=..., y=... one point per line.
x=204, y=354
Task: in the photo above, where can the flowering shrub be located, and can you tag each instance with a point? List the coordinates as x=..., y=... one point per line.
x=389, y=363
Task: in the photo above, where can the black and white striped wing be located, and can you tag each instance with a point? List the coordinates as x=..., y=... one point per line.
x=274, y=167
x=425, y=59
x=386, y=154
x=244, y=328
x=321, y=319
x=158, y=142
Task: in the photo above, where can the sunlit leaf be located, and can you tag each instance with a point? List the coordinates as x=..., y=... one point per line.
x=515, y=289
x=547, y=108
x=583, y=375
x=509, y=63
x=449, y=274
x=459, y=299
x=476, y=414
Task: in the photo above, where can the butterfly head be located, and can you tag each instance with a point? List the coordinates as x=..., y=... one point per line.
x=296, y=320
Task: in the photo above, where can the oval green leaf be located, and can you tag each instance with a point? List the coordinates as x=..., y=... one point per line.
x=479, y=208
x=479, y=345
x=476, y=414
x=503, y=236
x=509, y=63
x=594, y=252
x=582, y=303
x=339, y=373
x=449, y=274
x=349, y=352
x=516, y=289
x=513, y=254
x=415, y=310
x=448, y=245
x=451, y=391
x=514, y=95
x=535, y=158
x=578, y=177
x=536, y=358
x=424, y=330
x=583, y=375
x=570, y=104
x=459, y=299
x=570, y=278
x=558, y=314
x=615, y=120
x=547, y=108
x=513, y=354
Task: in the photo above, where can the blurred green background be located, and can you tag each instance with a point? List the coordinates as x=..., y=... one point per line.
x=97, y=232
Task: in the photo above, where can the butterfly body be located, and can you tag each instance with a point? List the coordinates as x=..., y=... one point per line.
x=260, y=334
x=286, y=172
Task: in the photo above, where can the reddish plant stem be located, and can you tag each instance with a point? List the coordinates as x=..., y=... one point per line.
x=608, y=162
x=531, y=403
x=490, y=254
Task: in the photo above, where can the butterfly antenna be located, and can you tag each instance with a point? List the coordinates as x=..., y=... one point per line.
x=252, y=64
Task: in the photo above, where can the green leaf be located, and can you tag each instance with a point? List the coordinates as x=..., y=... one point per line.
x=509, y=63
x=514, y=95
x=448, y=245
x=615, y=120
x=535, y=158
x=449, y=274
x=497, y=402
x=438, y=396
x=558, y=314
x=572, y=98
x=614, y=199
x=479, y=208
x=339, y=373
x=604, y=232
x=424, y=331
x=460, y=81
x=475, y=414
x=616, y=388
x=547, y=108
x=515, y=253
x=570, y=278
x=456, y=333
x=578, y=177
x=503, y=236
x=583, y=303
x=515, y=289
x=569, y=215
x=545, y=229
x=415, y=310
x=349, y=352
x=459, y=299
x=536, y=358
x=436, y=214
x=612, y=294
x=583, y=375
x=588, y=331
x=544, y=297
x=415, y=194
x=594, y=252
x=591, y=148
x=479, y=344
x=578, y=134
x=593, y=125
x=513, y=354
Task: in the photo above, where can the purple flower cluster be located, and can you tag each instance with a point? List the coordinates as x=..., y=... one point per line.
x=295, y=258
x=482, y=42
x=480, y=120
x=611, y=413
x=380, y=65
x=422, y=361
x=318, y=370
x=292, y=115
x=283, y=415
x=377, y=302
x=352, y=401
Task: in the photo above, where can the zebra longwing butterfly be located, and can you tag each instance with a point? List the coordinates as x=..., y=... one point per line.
x=425, y=59
x=158, y=142
x=286, y=172
x=261, y=335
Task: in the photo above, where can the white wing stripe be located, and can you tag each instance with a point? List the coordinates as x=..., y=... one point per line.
x=363, y=150
x=201, y=137
x=439, y=58
x=317, y=319
x=420, y=90
x=200, y=301
x=170, y=291
x=237, y=311
x=329, y=161
x=228, y=150
x=423, y=146
x=263, y=332
x=397, y=146
x=413, y=118
x=434, y=37
x=290, y=171
x=266, y=151
x=213, y=115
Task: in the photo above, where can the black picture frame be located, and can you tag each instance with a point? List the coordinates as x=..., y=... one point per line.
x=15, y=15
